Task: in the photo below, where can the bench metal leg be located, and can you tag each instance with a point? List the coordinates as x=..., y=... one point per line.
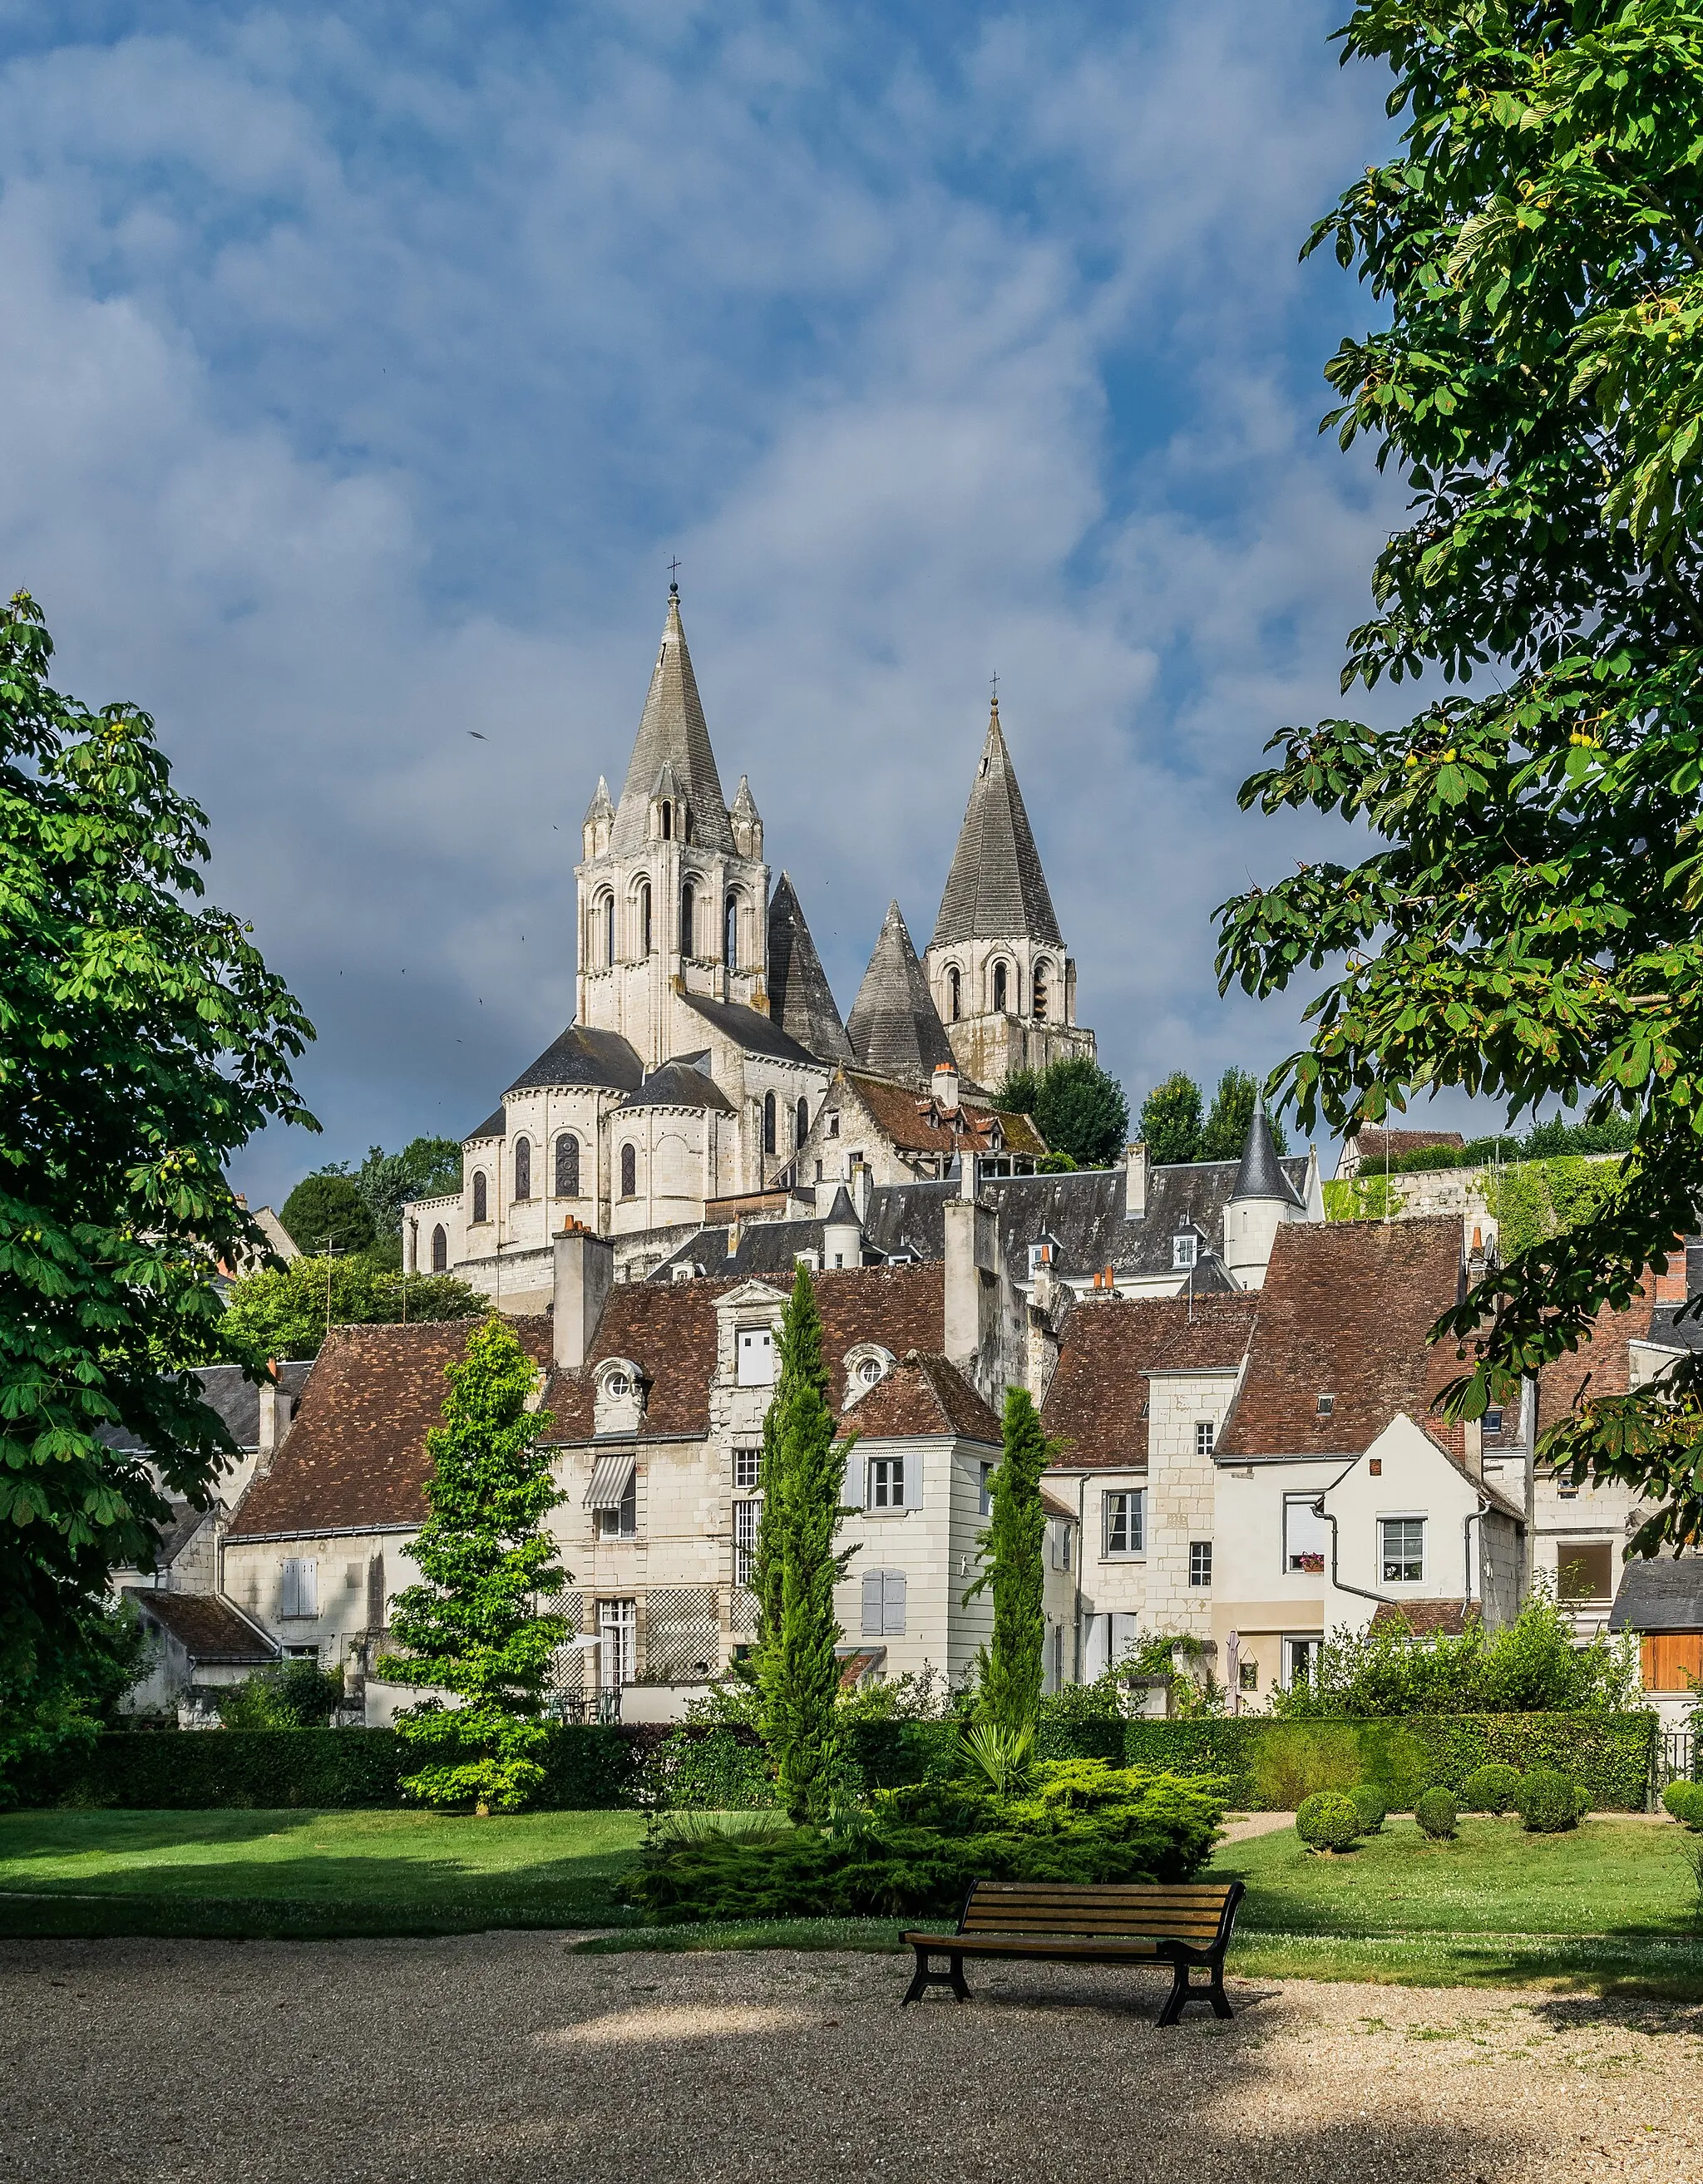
x=1182, y=1993
x=924, y=1977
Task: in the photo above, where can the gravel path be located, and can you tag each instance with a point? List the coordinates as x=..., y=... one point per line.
x=503, y=2056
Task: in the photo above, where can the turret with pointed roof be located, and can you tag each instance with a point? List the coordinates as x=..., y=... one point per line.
x=800, y=998
x=1262, y=1200
x=893, y=1027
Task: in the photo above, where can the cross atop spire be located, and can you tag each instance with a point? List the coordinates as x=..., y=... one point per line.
x=995, y=889
x=672, y=732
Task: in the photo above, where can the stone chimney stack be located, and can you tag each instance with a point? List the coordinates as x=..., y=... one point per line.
x=946, y=1087
x=1135, y=1182
x=861, y=1185
x=275, y=1417
x=967, y=1177
x=584, y=1274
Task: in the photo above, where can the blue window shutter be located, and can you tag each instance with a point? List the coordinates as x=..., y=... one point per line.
x=874, y=1625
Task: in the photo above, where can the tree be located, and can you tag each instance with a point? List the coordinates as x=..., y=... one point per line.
x=327, y=1206
x=803, y=1473
x=74, y=1695
x=426, y=1167
x=1528, y=926
x=473, y=1629
x=1170, y=1125
x=1225, y=1129
x=1010, y=1668
x=142, y=1042
x=283, y=1311
x=1080, y=1111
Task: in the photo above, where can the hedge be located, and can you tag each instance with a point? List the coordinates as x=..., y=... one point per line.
x=1266, y=1765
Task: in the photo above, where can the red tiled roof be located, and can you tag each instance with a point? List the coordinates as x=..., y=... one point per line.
x=1424, y=1618
x=206, y=1626
x=356, y=1454
x=1097, y=1403
x=1344, y=1313
x=917, y=1123
x=923, y=1395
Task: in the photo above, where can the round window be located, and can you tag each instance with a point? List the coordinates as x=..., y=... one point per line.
x=617, y=1385
x=870, y=1372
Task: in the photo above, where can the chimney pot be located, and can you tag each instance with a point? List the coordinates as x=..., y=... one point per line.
x=947, y=1086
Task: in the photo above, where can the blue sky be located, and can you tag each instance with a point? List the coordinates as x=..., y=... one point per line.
x=362, y=370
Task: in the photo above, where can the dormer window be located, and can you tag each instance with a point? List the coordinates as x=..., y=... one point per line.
x=867, y=1366
x=1327, y=1407
x=617, y=1383
x=870, y=1372
x=1185, y=1249
x=754, y=1357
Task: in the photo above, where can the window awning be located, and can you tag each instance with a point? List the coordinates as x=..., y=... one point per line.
x=611, y=1476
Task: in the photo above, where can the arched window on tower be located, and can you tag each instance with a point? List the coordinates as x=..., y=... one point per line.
x=645, y=920
x=1001, y=985
x=954, y=994
x=801, y=1124
x=687, y=920
x=730, y=940
x=522, y=1167
x=667, y=823
x=440, y=1250
x=481, y=1202
x=629, y=1172
x=1040, y=994
x=604, y=915
x=567, y=1165
x=769, y=1122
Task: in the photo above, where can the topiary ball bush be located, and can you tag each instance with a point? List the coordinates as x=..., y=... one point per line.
x=1548, y=1802
x=1492, y=1789
x=1684, y=1800
x=1329, y=1820
x=1369, y=1804
x=1438, y=1814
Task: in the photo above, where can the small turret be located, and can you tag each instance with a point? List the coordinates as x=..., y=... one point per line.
x=600, y=817
x=1261, y=1199
x=842, y=1233
x=747, y=823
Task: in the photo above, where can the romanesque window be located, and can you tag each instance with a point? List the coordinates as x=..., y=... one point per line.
x=667, y=823
x=644, y=921
x=801, y=1122
x=630, y=1171
x=605, y=913
x=1041, y=992
x=567, y=1165
x=954, y=994
x=481, y=1208
x=1001, y=980
x=688, y=905
x=730, y=943
x=440, y=1250
x=523, y=1167
x=769, y=1122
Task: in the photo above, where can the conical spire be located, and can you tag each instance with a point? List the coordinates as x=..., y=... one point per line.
x=601, y=805
x=672, y=732
x=893, y=1027
x=1261, y=1173
x=800, y=998
x=995, y=889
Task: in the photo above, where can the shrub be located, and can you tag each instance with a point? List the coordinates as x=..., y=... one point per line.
x=1548, y=1803
x=1370, y=1804
x=1684, y=1800
x=1491, y=1789
x=1329, y=1820
x=723, y=1769
x=1438, y=1814
x=300, y=1695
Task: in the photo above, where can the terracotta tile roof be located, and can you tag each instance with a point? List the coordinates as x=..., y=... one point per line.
x=206, y=1626
x=1372, y=1142
x=1097, y=1403
x=925, y=1394
x=916, y=1122
x=1344, y=1313
x=356, y=1455
x=1424, y=1618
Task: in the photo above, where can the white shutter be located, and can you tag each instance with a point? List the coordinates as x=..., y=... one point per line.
x=873, y=1622
x=913, y=1478
x=892, y=1603
x=308, y=1585
x=288, y=1590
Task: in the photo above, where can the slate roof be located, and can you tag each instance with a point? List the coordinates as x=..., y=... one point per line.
x=494, y=1126
x=356, y=1455
x=995, y=888
x=1344, y=1311
x=1663, y=1594
x=237, y=1401
x=1261, y=1174
x=1666, y=1326
x=206, y=1626
x=1097, y=1403
x=893, y=1027
x=916, y=1121
x=923, y=1394
x=800, y=1000
x=582, y=1055
x=749, y=1029
x=680, y=1084
x=672, y=732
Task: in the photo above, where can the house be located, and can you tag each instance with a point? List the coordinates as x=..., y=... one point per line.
x=199, y=1642
x=1660, y=1602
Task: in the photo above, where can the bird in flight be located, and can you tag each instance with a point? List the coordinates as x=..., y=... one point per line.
x=478, y=737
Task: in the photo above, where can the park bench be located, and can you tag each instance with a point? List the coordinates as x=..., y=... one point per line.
x=1183, y=1926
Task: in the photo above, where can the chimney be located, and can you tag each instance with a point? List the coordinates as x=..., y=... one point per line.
x=1671, y=1288
x=274, y=1417
x=584, y=1275
x=967, y=1175
x=861, y=1185
x=971, y=1280
x=1135, y=1182
x=946, y=1087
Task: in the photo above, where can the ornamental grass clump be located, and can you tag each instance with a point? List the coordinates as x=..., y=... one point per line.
x=1685, y=1801
x=1329, y=1820
x=1550, y=1803
x=1437, y=1815
x=1370, y=1803
x=1491, y=1789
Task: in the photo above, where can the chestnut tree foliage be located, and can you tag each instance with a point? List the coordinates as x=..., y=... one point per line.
x=1526, y=922
x=142, y=1041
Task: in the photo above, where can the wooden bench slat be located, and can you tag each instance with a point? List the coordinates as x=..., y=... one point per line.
x=1051, y=1945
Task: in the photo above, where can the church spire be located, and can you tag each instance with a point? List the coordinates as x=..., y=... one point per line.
x=995, y=889
x=672, y=733
x=800, y=998
x=893, y=1027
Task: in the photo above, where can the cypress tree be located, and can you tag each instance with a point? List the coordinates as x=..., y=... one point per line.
x=472, y=1628
x=1008, y=1694
x=798, y=1673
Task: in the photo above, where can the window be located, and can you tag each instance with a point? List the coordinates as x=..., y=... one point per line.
x=730, y=931
x=1300, y=1661
x=747, y=1470
x=1061, y=1544
x=833, y=1126
x=768, y=1121
x=954, y=994
x=605, y=912
x=1001, y=980
x=870, y=1371
x=1306, y=1535
x=1200, y=1561
x=617, y=1626
x=299, y=1595
x=440, y=1250
x=481, y=1203
x=1039, y=994
x=886, y=1483
x=644, y=921
x=567, y=1165
x=622, y=1522
x=755, y=1353
x=522, y=1167
x=985, y=1489
x=630, y=1171
x=1205, y=1433
x=667, y=823
x=687, y=920
x=801, y=1122
x=883, y=1603
x=1402, y=1551
x=1327, y=1407
x=1492, y=1420
x=616, y=1384
x=1185, y=1248
x=1123, y=1522
x=1585, y=1572
x=744, y=1540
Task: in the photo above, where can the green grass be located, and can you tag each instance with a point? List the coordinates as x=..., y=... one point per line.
x=306, y=1874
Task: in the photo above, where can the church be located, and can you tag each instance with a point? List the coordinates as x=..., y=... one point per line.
x=707, y=1072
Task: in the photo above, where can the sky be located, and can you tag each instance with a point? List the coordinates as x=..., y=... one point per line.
x=364, y=369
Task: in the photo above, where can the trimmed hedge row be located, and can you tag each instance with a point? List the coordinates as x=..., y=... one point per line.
x=1267, y=1765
